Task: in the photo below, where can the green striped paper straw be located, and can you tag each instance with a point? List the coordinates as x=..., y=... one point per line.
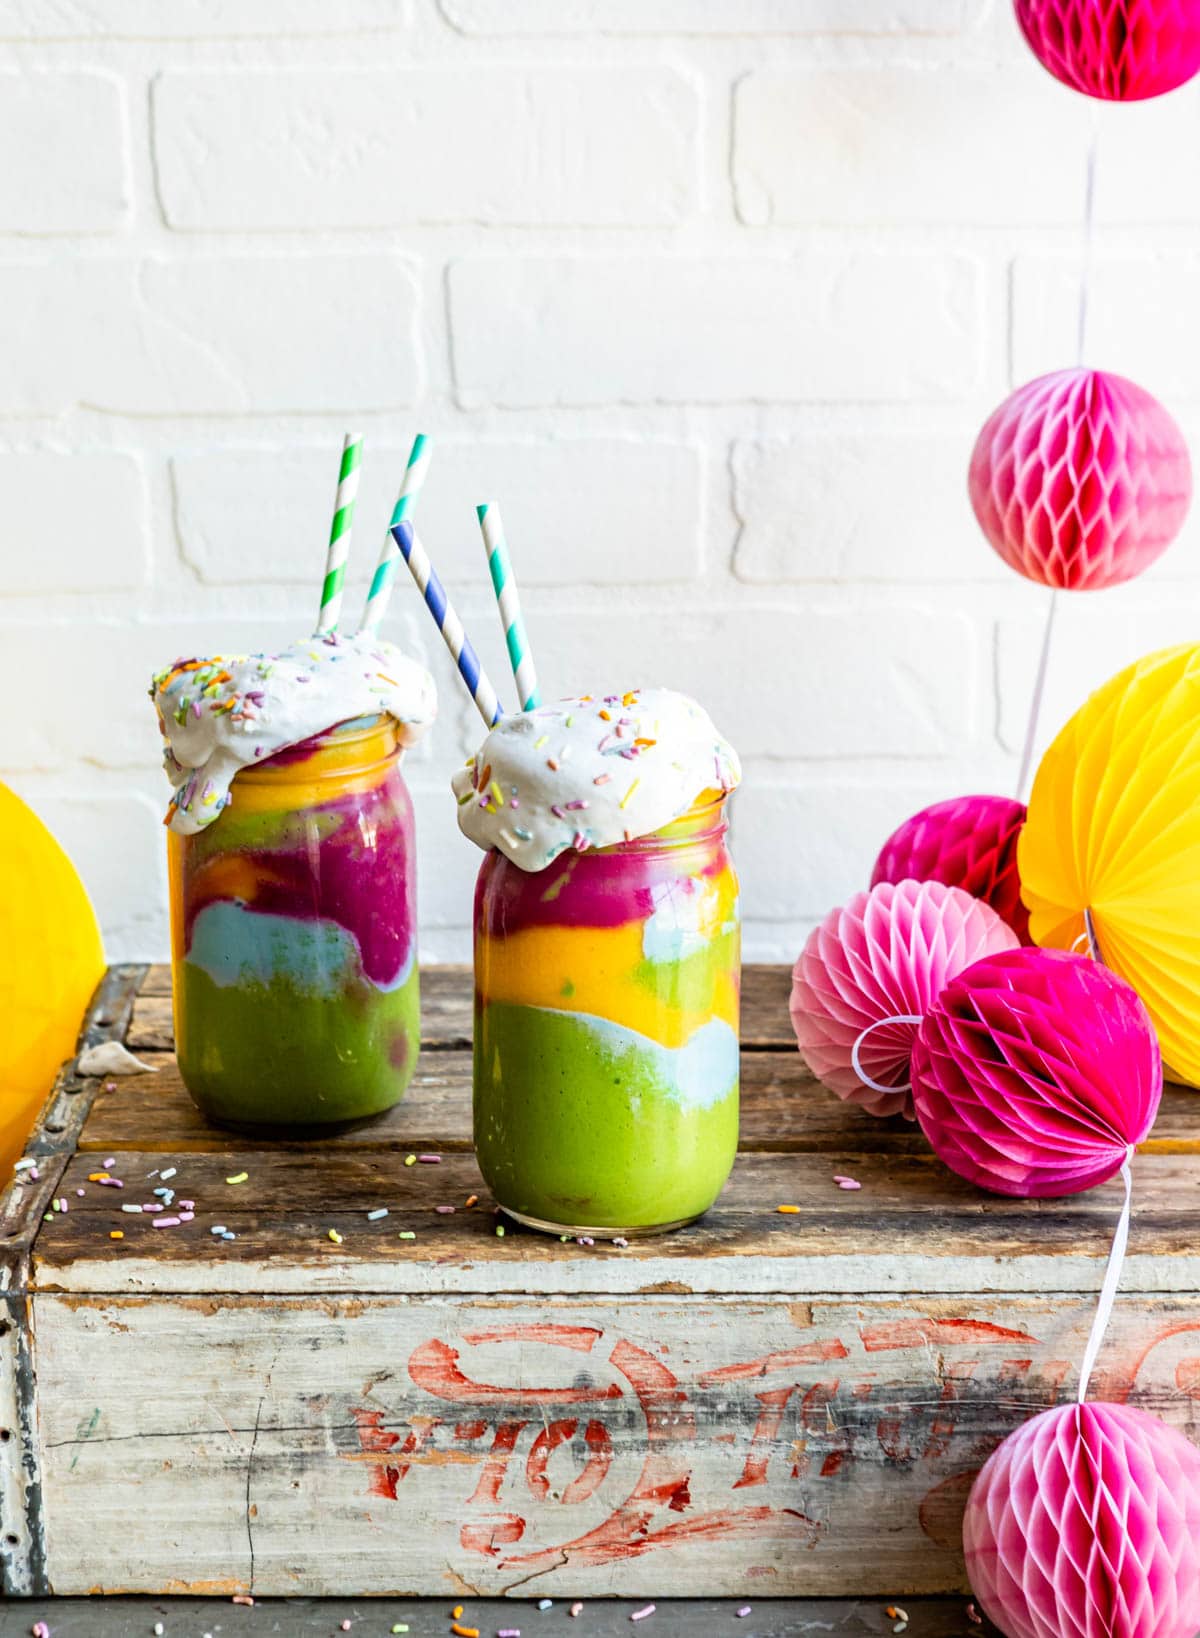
x=504, y=582
x=339, y=534
x=385, y=570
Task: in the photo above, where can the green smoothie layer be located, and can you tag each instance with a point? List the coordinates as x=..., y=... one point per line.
x=279, y=1053
x=581, y=1122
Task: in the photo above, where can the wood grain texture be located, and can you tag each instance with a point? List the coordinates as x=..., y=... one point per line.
x=784, y=1110
x=426, y=1618
x=446, y=1009
x=654, y=1446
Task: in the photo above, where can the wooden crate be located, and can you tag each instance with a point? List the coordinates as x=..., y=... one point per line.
x=761, y=1404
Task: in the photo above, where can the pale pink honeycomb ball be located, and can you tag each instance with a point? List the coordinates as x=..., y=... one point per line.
x=1080, y=479
x=884, y=953
x=1085, y=1523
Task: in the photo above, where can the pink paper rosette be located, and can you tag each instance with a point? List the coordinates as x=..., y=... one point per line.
x=1034, y=1071
x=1119, y=50
x=888, y=952
x=968, y=842
x=1085, y=1523
x=1080, y=480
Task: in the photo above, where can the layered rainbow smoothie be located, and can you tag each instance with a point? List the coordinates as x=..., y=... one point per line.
x=292, y=882
x=607, y=968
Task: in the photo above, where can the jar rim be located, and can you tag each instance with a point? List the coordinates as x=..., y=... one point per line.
x=348, y=738
x=705, y=817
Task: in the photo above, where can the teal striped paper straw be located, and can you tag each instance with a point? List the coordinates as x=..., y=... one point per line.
x=385, y=570
x=504, y=582
x=339, y=534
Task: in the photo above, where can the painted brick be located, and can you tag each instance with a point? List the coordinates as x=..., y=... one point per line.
x=222, y=335
x=795, y=864
x=906, y=143
x=887, y=505
x=1142, y=318
x=194, y=19
x=76, y=523
x=890, y=680
x=593, y=330
x=447, y=863
x=578, y=511
x=703, y=17
x=1144, y=153
x=66, y=167
x=91, y=683
x=1094, y=637
x=116, y=844
x=374, y=147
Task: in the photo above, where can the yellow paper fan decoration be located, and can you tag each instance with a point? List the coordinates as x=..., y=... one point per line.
x=1114, y=830
x=51, y=959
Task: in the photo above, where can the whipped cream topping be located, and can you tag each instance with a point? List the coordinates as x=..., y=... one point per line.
x=221, y=714
x=590, y=772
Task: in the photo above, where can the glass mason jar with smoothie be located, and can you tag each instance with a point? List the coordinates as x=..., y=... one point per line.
x=606, y=962
x=292, y=880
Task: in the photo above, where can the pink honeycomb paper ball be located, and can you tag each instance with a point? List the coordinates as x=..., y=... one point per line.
x=968, y=842
x=1085, y=1523
x=1119, y=50
x=1080, y=480
x=1034, y=1071
x=886, y=952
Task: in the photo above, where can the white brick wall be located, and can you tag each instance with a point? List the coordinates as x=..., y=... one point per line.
x=712, y=298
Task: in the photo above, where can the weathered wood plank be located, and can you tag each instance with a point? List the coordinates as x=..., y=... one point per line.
x=783, y=1109
x=157, y=980
x=446, y=1009
x=459, y=1447
x=426, y=1618
x=760, y=1403
x=24, y=1198
x=23, y=1202
x=911, y=1226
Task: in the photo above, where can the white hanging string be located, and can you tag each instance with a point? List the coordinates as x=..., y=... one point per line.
x=1081, y=323
x=1088, y=937
x=878, y=1086
x=1112, y=1280
x=1035, y=705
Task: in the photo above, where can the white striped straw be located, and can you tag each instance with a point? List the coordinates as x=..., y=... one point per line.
x=504, y=582
x=385, y=570
x=339, y=534
x=447, y=621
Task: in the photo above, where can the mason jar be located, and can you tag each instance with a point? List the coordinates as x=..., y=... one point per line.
x=606, y=1030
x=293, y=939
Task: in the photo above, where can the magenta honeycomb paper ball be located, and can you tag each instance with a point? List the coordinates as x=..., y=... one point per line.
x=1120, y=50
x=968, y=842
x=1080, y=480
x=886, y=952
x=1085, y=1523
x=1034, y=1071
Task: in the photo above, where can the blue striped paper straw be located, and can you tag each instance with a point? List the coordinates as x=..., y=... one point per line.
x=504, y=582
x=447, y=621
x=385, y=570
